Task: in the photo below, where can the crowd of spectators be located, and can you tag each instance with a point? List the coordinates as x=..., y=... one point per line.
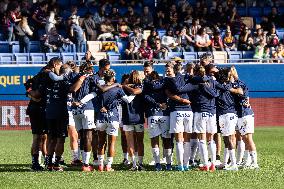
x=213, y=25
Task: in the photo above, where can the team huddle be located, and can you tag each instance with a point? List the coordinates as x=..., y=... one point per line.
x=190, y=105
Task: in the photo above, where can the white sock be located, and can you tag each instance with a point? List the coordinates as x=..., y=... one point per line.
x=86, y=157
x=253, y=156
x=136, y=154
x=233, y=157
x=156, y=155
x=212, y=148
x=168, y=154
x=125, y=156
x=186, y=154
x=39, y=156
x=75, y=154
x=179, y=152
x=240, y=151
x=101, y=159
x=194, y=143
x=140, y=159
x=226, y=156
x=53, y=157
x=247, y=158
x=109, y=161
x=133, y=160
x=203, y=152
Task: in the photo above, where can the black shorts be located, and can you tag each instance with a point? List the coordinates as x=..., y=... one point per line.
x=38, y=122
x=57, y=127
x=218, y=126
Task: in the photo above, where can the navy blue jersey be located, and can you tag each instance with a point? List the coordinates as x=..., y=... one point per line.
x=177, y=85
x=56, y=102
x=154, y=95
x=225, y=100
x=133, y=113
x=88, y=86
x=205, y=95
x=110, y=100
x=99, y=81
x=240, y=100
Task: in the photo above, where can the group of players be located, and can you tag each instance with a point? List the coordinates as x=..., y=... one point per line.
x=190, y=104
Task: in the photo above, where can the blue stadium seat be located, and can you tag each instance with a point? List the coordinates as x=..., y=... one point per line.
x=280, y=33
x=280, y=10
x=234, y=56
x=255, y=11
x=6, y=58
x=51, y=55
x=190, y=56
x=174, y=54
x=241, y=11
x=122, y=45
x=82, y=11
x=35, y=47
x=68, y=56
x=113, y=56
x=257, y=20
x=37, y=58
x=4, y=47
x=266, y=11
x=122, y=10
x=161, y=33
x=201, y=53
x=79, y=57
x=22, y=58
x=68, y=48
x=248, y=55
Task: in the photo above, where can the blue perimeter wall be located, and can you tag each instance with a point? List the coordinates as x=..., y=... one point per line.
x=263, y=80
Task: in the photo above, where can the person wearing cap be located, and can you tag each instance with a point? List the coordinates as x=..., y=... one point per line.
x=181, y=115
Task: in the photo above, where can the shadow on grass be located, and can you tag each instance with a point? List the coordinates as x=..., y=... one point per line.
x=27, y=168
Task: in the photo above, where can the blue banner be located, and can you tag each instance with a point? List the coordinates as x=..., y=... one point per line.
x=263, y=80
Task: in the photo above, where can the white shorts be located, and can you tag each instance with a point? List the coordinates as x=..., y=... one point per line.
x=85, y=120
x=239, y=124
x=246, y=125
x=228, y=123
x=136, y=128
x=159, y=125
x=110, y=128
x=71, y=121
x=204, y=122
x=181, y=121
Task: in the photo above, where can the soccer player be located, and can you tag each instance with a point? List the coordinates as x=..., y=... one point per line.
x=246, y=123
x=133, y=119
x=158, y=119
x=108, y=119
x=227, y=116
x=181, y=116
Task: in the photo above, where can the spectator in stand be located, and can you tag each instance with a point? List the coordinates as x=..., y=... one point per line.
x=145, y=52
x=131, y=52
x=88, y=58
x=136, y=37
x=266, y=55
x=186, y=42
x=265, y=23
x=160, y=19
x=24, y=33
x=170, y=41
x=100, y=16
x=39, y=15
x=202, y=41
x=53, y=42
x=106, y=31
x=152, y=38
x=25, y=7
x=10, y=19
x=131, y=17
x=229, y=41
x=272, y=38
x=147, y=20
x=50, y=21
x=274, y=17
x=259, y=50
x=234, y=20
x=243, y=38
x=278, y=55
x=219, y=17
x=123, y=30
x=205, y=17
x=188, y=16
x=216, y=42
x=193, y=29
x=259, y=36
x=114, y=16
x=89, y=27
x=159, y=51
x=77, y=34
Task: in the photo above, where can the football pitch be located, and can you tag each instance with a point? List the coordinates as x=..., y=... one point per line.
x=15, y=168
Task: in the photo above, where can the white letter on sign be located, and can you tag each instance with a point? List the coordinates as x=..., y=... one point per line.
x=24, y=121
x=8, y=115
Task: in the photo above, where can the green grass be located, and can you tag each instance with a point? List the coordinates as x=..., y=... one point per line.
x=15, y=171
